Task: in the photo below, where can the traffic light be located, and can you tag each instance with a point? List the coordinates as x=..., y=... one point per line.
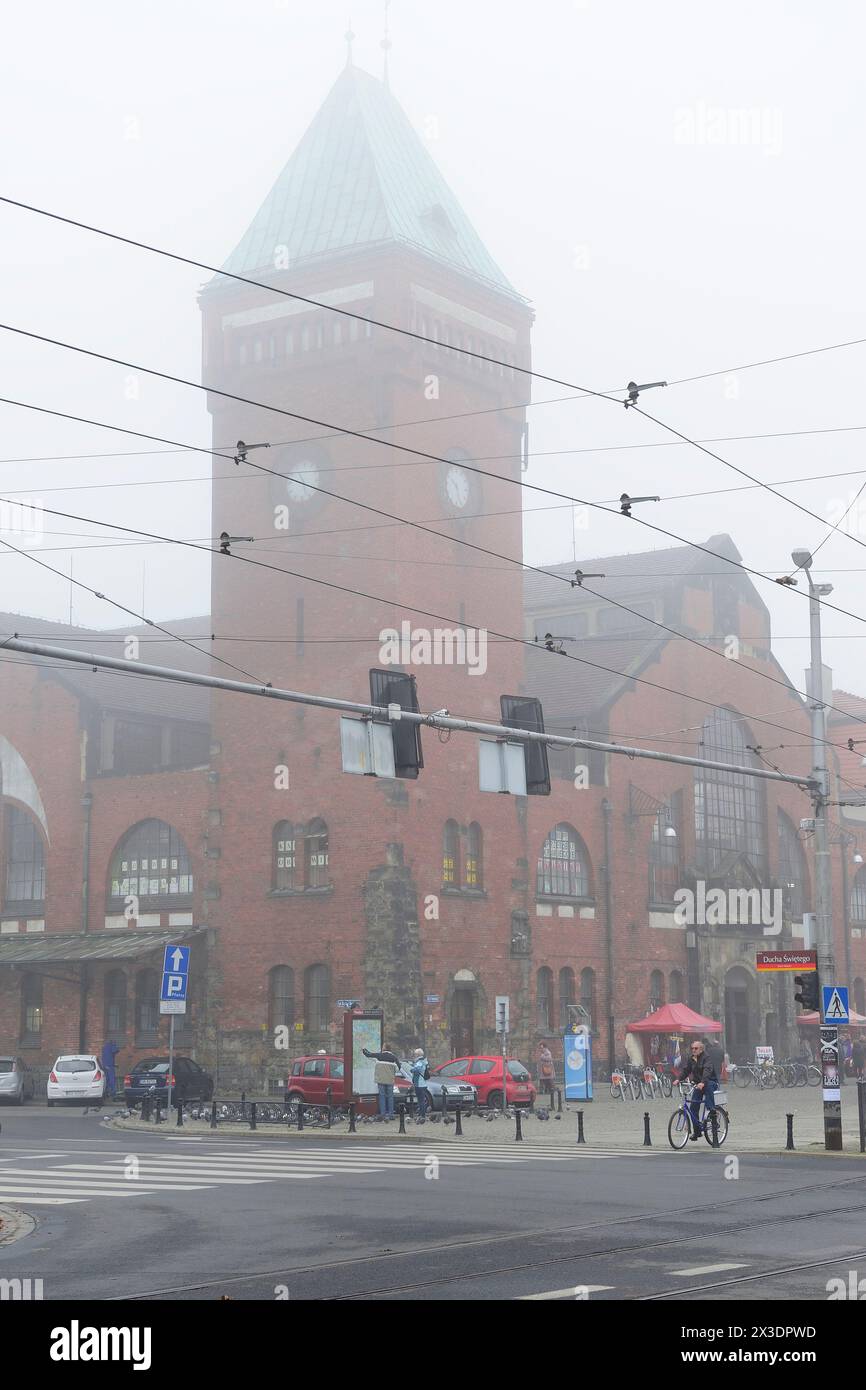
x=520, y=712
x=808, y=991
x=398, y=688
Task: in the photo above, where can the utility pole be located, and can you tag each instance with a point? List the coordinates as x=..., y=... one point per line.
x=823, y=883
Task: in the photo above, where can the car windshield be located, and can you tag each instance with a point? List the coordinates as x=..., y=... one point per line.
x=159, y=1067
x=149, y=1064
x=6, y=1064
x=76, y=1064
x=518, y=1071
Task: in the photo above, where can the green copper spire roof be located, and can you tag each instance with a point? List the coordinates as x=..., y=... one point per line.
x=362, y=177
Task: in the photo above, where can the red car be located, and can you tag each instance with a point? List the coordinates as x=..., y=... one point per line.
x=485, y=1074
x=310, y=1078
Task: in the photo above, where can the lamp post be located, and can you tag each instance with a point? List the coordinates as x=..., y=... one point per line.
x=823, y=885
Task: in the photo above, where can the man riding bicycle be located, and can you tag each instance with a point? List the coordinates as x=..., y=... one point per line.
x=701, y=1070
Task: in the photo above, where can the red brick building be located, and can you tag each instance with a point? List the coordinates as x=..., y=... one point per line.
x=135, y=812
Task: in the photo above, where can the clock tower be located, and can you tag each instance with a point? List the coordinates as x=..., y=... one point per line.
x=360, y=236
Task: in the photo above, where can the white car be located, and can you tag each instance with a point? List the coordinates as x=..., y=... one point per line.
x=76, y=1078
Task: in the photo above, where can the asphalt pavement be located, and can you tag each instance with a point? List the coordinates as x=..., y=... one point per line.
x=169, y=1215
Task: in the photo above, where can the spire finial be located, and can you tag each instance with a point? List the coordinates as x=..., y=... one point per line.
x=350, y=38
x=385, y=46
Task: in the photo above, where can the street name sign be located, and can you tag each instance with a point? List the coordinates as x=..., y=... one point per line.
x=786, y=960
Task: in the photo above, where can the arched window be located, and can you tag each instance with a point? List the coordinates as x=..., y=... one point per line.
x=305, y=338
x=472, y=861
x=451, y=854
x=566, y=995
x=657, y=990
x=338, y=333
x=664, y=853
x=242, y=354
x=317, y=998
x=281, y=997
x=25, y=860
x=793, y=873
x=675, y=987
x=152, y=864
x=859, y=995
x=543, y=998
x=285, y=875
x=146, y=1006
x=290, y=341
x=563, y=867
x=258, y=352
x=31, y=1011
x=115, y=1004
x=858, y=898
x=730, y=808
x=587, y=996
x=316, y=855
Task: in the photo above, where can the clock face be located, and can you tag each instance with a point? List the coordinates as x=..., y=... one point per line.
x=302, y=481
x=457, y=486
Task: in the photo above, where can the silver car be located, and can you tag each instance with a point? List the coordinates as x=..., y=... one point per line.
x=16, y=1080
x=444, y=1095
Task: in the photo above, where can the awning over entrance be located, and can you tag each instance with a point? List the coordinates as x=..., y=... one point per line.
x=675, y=1018
x=27, y=950
x=813, y=1021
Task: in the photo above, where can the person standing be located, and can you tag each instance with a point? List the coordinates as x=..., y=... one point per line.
x=858, y=1058
x=420, y=1077
x=109, y=1054
x=546, y=1069
x=384, y=1074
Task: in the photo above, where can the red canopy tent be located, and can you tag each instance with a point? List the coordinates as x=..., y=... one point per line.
x=675, y=1018
x=813, y=1021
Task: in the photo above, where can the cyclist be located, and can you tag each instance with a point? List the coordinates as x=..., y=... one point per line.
x=701, y=1070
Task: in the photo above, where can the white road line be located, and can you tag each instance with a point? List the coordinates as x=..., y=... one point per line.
x=708, y=1269
x=29, y=1201
x=8, y=1191
x=572, y=1293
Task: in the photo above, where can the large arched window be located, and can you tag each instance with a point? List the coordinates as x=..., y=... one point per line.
x=472, y=860
x=281, y=997
x=657, y=990
x=316, y=855
x=793, y=873
x=146, y=1006
x=566, y=995
x=543, y=998
x=730, y=808
x=858, y=898
x=25, y=860
x=317, y=998
x=665, y=870
x=151, y=863
x=285, y=863
x=31, y=1011
x=115, y=1004
x=675, y=987
x=451, y=855
x=563, y=866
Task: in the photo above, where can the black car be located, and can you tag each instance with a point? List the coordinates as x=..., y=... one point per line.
x=149, y=1077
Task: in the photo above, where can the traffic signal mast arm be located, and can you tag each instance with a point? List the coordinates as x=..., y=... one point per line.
x=390, y=713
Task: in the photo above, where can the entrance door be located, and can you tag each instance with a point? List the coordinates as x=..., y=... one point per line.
x=463, y=1023
x=737, y=1029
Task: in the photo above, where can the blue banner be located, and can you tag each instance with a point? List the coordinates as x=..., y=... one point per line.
x=577, y=1055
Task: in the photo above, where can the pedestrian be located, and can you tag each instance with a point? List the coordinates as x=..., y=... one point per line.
x=384, y=1074
x=420, y=1077
x=847, y=1055
x=109, y=1053
x=702, y=1072
x=546, y=1070
x=858, y=1058
x=715, y=1052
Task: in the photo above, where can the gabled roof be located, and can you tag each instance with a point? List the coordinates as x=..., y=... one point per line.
x=361, y=177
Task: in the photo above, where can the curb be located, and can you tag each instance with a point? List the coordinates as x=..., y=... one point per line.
x=15, y=1224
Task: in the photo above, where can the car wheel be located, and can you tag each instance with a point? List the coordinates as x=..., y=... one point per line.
x=494, y=1100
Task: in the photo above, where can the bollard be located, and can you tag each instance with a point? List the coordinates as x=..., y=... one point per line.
x=789, y=1142
x=559, y=1102
x=179, y=1121
x=145, y=1109
x=714, y=1126
x=518, y=1134
x=252, y=1114
x=158, y=1119
x=402, y=1111
x=300, y=1114
x=352, y=1129
x=328, y=1096
x=243, y=1105
x=580, y=1138
x=458, y=1120
x=861, y=1110
x=647, y=1142
x=213, y=1119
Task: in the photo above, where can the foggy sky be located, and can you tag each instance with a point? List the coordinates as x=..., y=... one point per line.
x=677, y=189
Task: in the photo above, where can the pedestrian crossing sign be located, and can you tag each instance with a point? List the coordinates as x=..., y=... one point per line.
x=836, y=1004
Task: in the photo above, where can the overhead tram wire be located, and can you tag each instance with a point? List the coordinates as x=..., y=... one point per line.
x=409, y=608
x=390, y=327
x=427, y=529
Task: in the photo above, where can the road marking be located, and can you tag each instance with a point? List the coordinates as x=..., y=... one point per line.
x=708, y=1269
x=565, y=1293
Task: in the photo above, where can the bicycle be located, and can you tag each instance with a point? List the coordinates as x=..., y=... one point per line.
x=680, y=1122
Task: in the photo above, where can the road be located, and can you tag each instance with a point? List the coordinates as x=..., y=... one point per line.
x=166, y=1216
